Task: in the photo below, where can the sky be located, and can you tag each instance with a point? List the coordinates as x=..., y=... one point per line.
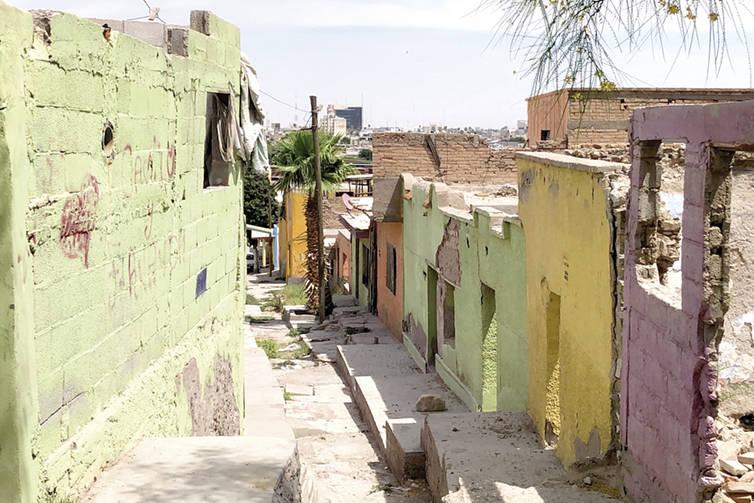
x=408, y=62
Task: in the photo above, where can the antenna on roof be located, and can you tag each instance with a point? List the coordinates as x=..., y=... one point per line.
x=152, y=15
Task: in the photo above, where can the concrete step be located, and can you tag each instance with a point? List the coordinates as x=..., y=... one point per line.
x=194, y=470
x=387, y=404
x=205, y=469
x=496, y=457
x=344, y=301
x=377, y=360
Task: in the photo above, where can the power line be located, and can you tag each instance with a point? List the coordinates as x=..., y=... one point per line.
x=294, y=107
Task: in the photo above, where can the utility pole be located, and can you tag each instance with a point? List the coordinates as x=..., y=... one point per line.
x=320, y=223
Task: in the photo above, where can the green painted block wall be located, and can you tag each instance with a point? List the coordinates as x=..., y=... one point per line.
x=490, y=251
x=121, y=345
x=18, y=472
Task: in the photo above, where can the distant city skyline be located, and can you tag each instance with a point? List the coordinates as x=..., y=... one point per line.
x=409, y=62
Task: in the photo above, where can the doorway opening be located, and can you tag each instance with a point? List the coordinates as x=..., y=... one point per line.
x=431, y=347
x=489, y=350
x=552, y=404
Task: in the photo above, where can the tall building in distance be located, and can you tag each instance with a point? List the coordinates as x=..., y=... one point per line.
x=352, y=115
x=332, y=124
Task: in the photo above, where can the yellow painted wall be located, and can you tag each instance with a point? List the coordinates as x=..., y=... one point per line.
x=564, y=212
x=294, y=243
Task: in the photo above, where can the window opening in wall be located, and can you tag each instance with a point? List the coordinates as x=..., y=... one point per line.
x=658, y=235
x=432, y=284
x=446, y=322
x=489, y=350
x=552, y=404
x=217, y=146
x=391, y=268
x=544, y=135
x=364, y=265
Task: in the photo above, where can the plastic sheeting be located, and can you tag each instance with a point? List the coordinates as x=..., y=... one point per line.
x=253, y=147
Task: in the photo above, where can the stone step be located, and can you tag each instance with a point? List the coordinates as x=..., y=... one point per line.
x=496, y=457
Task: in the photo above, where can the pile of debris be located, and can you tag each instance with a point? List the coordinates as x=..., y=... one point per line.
x=736, y=454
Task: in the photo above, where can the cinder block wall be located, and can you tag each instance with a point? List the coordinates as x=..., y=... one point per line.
x=464, y=158
x=135, y=267
x=686, y=382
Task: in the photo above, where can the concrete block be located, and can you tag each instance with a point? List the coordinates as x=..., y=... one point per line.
x=403, y=450
x=155, y=34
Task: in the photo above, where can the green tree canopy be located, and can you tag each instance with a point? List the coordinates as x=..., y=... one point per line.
x=365, y=154
x=259, y=203
x=294, y=156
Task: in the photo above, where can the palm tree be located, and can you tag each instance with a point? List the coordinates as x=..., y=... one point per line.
x=294, y=155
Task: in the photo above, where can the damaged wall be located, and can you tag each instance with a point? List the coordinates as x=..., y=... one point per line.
x=135, y=266
x=447, y=244
x=450, y=158
x=566, y=207
x=685, y=400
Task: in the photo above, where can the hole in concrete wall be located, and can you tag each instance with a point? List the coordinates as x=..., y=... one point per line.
x=657, y=240
x=552, y=405
x=217, y=145
x=108, y=140
x=544, y=135
x=489, y=349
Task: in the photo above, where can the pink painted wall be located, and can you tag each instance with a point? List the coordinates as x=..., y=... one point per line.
x=668, y=396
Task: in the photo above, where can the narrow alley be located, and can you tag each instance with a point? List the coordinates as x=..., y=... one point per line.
x=494, y=279
x=356, y=392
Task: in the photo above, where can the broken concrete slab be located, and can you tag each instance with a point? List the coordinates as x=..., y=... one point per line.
x=733, y=467
x=746, y=458
x=496, y=457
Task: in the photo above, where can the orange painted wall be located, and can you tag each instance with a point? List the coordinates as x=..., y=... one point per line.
x=389, y=304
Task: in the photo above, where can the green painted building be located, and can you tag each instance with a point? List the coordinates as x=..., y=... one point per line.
x=465, y=292
x=120, y=242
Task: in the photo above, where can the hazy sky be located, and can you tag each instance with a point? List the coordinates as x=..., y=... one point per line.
x=409, y=62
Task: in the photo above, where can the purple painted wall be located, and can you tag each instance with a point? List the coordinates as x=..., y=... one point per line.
x=668, y=401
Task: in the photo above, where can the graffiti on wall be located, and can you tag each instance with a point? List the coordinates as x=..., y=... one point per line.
x=77, y=220
x=142, y=268
x=155, y=165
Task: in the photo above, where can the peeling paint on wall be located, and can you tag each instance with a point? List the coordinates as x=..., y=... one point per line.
x=447, y=258
x=213, y=406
